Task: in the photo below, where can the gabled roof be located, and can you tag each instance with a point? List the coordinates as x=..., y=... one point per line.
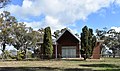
x=70, y=33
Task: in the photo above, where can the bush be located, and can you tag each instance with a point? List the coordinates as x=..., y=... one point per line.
x=20, y=55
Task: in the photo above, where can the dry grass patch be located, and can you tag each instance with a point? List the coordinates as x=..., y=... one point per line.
x=108, y=64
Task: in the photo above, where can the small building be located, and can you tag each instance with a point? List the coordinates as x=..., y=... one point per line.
x=67, y=46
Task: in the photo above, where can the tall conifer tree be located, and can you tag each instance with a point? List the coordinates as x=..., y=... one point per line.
x=88, y=42
x=47, y=43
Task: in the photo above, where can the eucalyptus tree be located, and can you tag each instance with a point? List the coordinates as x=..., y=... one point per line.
x=18, y=33
x=22, y=37
x=32, y=38
x=112, y=40
x=100, y=34
x=38, y=37
x=25, y=37
x=6, y=22
x=57, y=33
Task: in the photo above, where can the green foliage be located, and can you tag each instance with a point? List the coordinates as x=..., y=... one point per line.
x=17, y=34
x=100, y=34
x=112, y=40
x=88, y=42
x=24, y=37
x=29, y=54
x=57, y=33
x=47, y=43
x=12, y=56
x=6, y=23
x=5, y=54
x=20, y=55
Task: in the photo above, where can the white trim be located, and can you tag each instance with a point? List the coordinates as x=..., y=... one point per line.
x=69, y=47
x=56, y=50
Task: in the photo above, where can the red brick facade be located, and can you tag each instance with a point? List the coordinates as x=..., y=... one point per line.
x=96, y=51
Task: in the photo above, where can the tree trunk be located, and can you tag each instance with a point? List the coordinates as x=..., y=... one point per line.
x=3, y=47
x=85, y=57
x=3, y=51
x=113, y=54
x=25, y=52
x=17, y=57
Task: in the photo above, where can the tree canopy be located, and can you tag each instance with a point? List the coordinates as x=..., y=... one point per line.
x=17, y=34
x=6, y=23
x=111, y=39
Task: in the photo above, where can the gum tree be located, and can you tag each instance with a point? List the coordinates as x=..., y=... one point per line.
x=6, y=22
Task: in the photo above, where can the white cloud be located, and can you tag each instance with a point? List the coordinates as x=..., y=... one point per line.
x=48, y=21
x=53, y=23
x=27, y=9
x=117, y=2
x=117, y=29
x=58, y=13
x=74, y=31
x=35, y=25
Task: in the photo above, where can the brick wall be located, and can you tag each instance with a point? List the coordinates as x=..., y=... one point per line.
x=96, y=51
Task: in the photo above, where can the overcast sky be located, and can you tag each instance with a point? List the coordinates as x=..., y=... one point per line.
x=73, y=14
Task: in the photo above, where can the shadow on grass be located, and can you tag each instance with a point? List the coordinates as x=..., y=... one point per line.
x=111, y=66
x=49, y=69
x=72, y=59
x=109, y=70
x=77, y=69
x=100, y=65
x=40, y=69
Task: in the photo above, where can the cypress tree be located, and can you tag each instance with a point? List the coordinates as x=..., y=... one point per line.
x=90, y=37
x=87, y=42
x=84, y=42
x=47, y=44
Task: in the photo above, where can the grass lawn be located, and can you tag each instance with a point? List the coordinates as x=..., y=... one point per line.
x=103, y=64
